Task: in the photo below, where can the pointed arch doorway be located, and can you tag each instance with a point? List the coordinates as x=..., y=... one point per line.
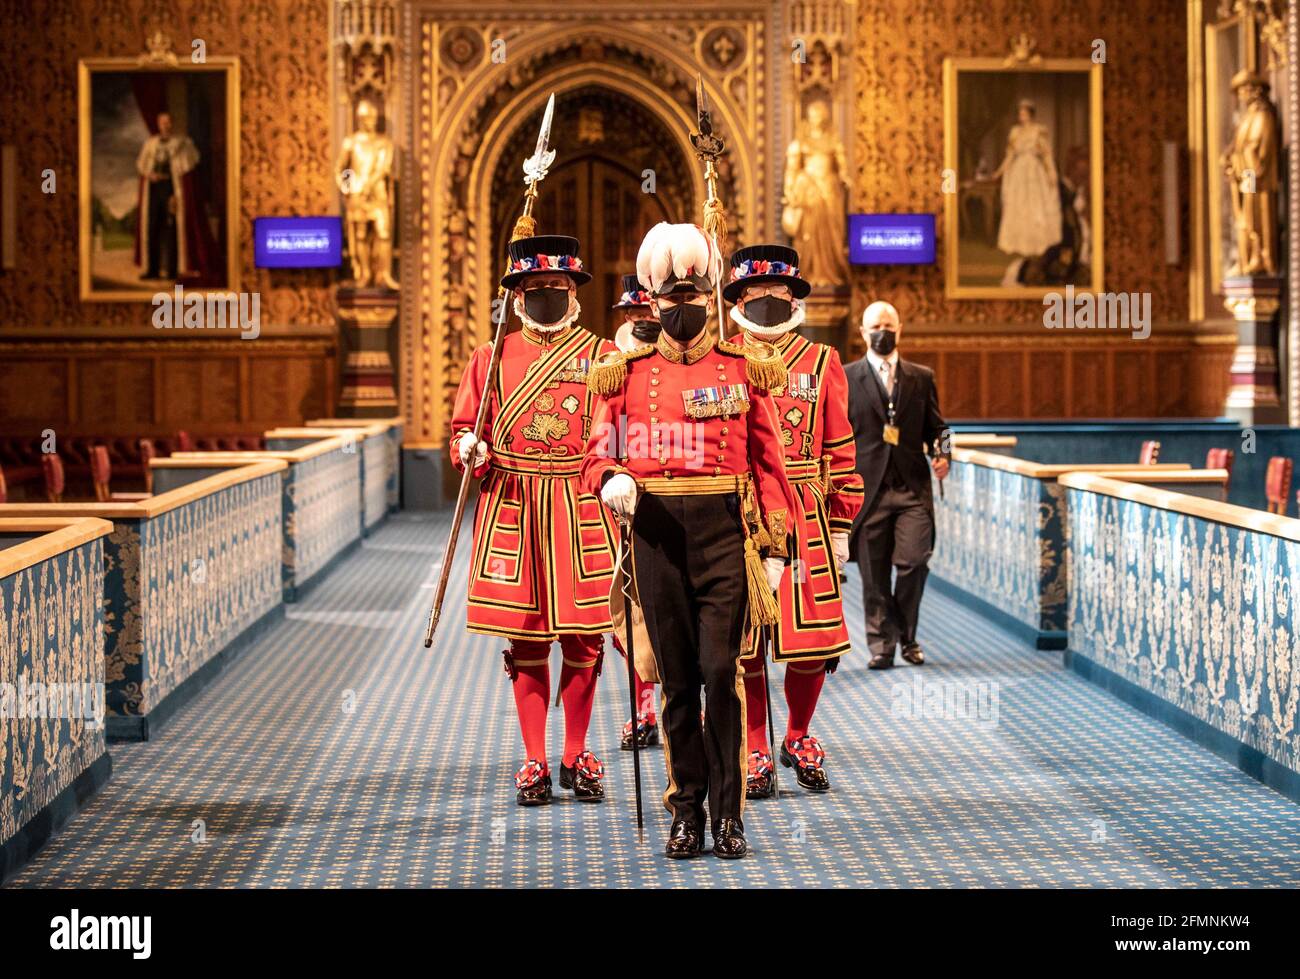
x=618, y=172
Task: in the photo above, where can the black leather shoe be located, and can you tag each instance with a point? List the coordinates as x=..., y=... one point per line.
x=806, y=759
x=584, y=778
x=729, y=840
x=881, y=661
x=647, y=734
x=534, y=784
x=914, y=654
x=684, y=840
x=759, y=783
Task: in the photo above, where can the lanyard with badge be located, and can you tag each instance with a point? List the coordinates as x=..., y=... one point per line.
x=890, y=431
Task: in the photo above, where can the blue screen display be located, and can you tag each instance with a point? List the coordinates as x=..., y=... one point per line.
x=891, y=239
x=297, y=243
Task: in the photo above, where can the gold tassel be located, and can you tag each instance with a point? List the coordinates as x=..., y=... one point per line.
x=763, y=609
x=606, y=376
x=765, y=373
x=525, y=227
x=715, y=221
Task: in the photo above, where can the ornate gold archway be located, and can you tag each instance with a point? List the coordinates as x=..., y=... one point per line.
x=467, y=106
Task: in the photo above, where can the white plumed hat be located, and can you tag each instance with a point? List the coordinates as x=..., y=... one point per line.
x=675, y=253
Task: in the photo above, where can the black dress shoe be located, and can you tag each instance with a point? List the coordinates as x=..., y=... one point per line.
x=806, y=759
x=584, y=778
x=759, y=783
x=881, y=661
x=534, y=784
x=729, y=840
x=647, y=734
x=914, y=654
x=684, y=840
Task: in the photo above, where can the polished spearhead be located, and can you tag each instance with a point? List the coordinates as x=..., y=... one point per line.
x=535, y=166
x=707, y=143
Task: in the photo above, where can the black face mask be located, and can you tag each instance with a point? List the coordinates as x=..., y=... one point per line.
x=546, y=305
x=768, y=310
x=647, y=331
x=882, y=341
x=683, y=321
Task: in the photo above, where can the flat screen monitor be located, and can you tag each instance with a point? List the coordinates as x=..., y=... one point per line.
x=297, y=242
x=891, y=239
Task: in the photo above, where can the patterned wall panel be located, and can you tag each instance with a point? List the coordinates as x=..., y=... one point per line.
x=376, y=454
x=322, y=514
x=51, y=631
x=1001, y=536
x=183, y=585
x=1200, y=614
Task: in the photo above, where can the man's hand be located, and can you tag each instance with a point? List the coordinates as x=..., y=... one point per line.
x=470, y=446
x=840, y=548
x=940, y=464
x=619, y=494
x=773, y=567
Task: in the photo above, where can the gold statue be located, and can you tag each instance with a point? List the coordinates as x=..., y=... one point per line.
x=816, y=197
x=1251, y=165
x=364, y=174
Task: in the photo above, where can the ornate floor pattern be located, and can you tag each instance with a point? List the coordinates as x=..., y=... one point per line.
x=338, y=752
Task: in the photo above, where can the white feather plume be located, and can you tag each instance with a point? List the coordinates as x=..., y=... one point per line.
x=681, y=249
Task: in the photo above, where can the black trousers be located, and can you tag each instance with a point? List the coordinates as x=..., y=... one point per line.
x=162, y=258
x=688, y=557
x=897, y=535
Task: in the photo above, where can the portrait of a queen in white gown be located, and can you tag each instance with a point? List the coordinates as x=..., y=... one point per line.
x=1031, y=202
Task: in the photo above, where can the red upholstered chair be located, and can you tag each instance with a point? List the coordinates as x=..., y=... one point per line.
x=147, y=452
x=1221, y=459
x=183, y=441
x=4, y=490
x=52, y=467
x=1277, y=483
x=101, y=472
x=1150, y=453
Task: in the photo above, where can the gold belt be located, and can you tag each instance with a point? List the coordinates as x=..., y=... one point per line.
x=692, y=485
x=565, y=467
x=803, y=470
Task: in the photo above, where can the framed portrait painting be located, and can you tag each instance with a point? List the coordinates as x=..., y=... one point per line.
x=1023, y=177
x=158, y=176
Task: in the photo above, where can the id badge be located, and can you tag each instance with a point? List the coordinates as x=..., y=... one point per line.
x=890, y=434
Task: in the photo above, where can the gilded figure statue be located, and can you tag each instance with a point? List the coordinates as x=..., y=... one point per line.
x=816, y=198
x=1250, y=163
x=364, y=174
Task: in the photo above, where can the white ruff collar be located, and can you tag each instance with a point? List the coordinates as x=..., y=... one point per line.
x=575, y=310
x=770, y=332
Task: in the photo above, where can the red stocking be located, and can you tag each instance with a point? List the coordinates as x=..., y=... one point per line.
x=803, y=685
x=756, y=707
x=530, y=661
x=578, y=690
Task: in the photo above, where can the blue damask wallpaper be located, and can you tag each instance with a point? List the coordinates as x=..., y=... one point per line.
x=322, y=513
x=1200, y=614
x=375, y=458
x=1002, y=537
x=51, y=632
x=181, y=586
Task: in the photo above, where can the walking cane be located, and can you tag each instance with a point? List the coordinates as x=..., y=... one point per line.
x=766, y=639
x=624, y=559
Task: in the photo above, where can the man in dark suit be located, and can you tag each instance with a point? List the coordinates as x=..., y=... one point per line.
x=894, y=410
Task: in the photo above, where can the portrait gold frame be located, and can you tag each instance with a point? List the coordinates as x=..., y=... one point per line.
x=156, y=60
x=953, y=68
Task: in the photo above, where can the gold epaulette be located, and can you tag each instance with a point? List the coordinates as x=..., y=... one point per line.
x=608, y=374
x=764, y=368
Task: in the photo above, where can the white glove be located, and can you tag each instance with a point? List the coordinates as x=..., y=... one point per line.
x=840, y=548
x=470, y=446
x=773, y=567
x=619, y=494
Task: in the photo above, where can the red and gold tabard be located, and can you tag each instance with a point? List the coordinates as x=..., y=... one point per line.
x=543, y=549
x=689, y=417
x=813, y=417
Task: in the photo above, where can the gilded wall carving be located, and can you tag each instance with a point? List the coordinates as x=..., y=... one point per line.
x=898, y=56
x=284, y=50
x=467, y=106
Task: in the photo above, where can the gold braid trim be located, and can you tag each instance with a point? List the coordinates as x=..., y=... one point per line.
x=776, y=520
x=609, y=373
x=764, y=368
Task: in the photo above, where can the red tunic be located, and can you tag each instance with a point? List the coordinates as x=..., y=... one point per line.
x=543, y=549
x=820, y=459
x=661, y=423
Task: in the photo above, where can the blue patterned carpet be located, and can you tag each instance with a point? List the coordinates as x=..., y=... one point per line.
x=338, y=752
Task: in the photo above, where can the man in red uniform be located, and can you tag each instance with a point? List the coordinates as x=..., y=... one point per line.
x=812, y=407
x=638, y=327
x=543, y=550
x=685, y=446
